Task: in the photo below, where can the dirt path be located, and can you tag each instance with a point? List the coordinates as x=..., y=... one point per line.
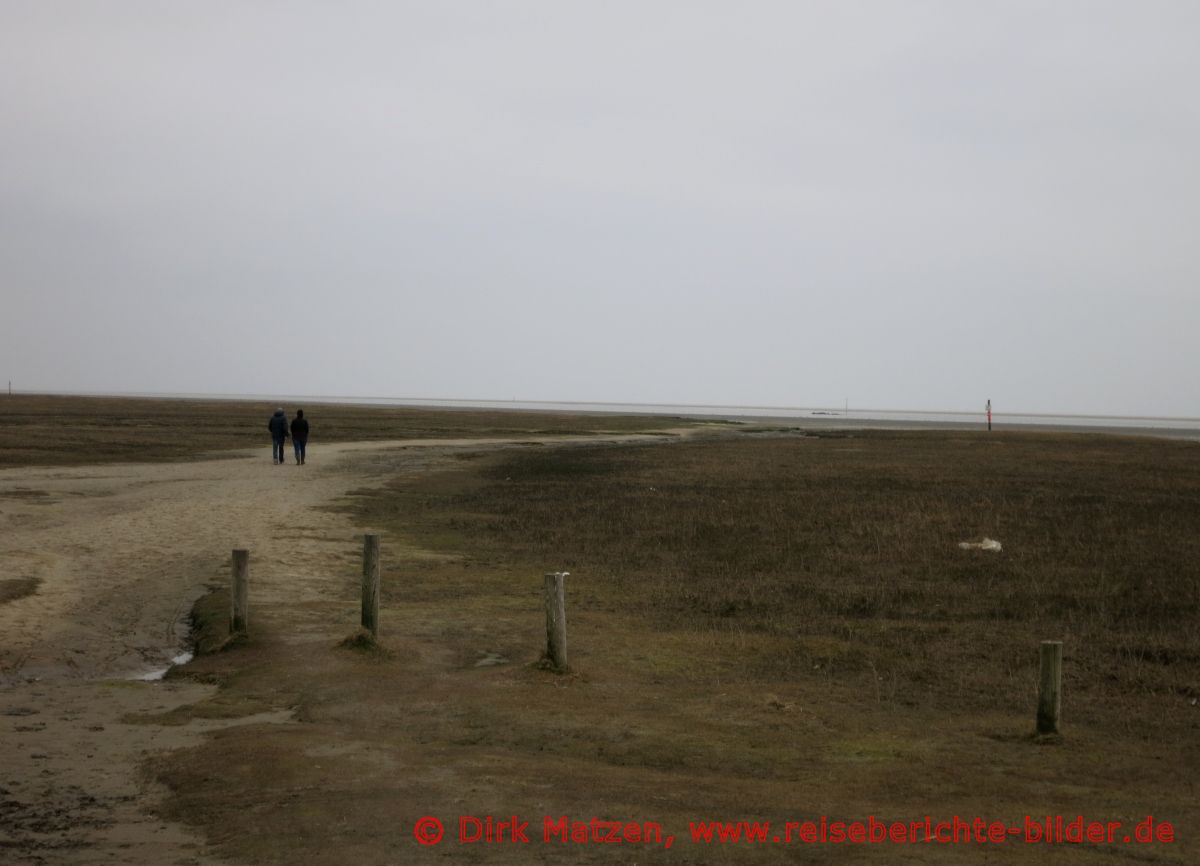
x=99, y=567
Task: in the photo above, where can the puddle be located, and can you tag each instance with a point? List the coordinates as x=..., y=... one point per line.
x=158, y=673
x=183, y=633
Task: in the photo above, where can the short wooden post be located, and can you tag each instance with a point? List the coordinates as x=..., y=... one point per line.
x=1050, y=687
x=556, y=620
x=241, y=591
x=370, y=584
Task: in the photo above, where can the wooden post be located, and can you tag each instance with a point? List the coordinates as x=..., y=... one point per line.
x=556, y=620
x=370, y=584
x=1050, y=687
x=241, y=591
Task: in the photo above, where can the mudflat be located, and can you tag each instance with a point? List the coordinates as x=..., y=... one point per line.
x=763, y=626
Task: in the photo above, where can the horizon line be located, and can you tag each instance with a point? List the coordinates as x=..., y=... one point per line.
x=419, y=401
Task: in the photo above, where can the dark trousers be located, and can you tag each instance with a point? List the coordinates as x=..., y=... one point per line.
x=277, y=449
x=299, y=444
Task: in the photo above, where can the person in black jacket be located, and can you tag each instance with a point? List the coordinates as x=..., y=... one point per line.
x=278, y=425
x=299, y=435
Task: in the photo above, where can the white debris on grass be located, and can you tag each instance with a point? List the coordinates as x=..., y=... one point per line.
x=986, y=544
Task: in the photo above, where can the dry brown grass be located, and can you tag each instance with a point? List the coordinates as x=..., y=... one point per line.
x=770, y=629
x=846, y=550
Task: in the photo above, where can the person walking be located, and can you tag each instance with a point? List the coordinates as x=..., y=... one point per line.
x=299, y=435
x=278, y=425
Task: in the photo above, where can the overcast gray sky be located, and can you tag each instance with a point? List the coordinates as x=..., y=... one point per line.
x=901, y=204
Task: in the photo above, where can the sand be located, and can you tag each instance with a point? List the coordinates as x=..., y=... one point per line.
x=120, y=552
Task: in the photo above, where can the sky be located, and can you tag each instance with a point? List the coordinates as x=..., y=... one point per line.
x=896, y=205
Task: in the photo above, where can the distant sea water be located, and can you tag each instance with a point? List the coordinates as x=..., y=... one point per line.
x=841, y=416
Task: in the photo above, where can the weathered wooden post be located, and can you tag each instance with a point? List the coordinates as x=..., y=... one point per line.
x=370, y=584
x=1050, y=687
x=241, y=591
x=556, y=620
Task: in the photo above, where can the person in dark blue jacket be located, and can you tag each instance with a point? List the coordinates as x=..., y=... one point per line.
x=278, y=425
x=299, y=435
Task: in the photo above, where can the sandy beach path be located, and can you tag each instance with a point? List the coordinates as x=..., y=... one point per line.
x=99, y=566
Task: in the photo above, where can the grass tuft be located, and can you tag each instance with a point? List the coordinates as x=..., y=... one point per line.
x=366, y=644
x=13, y=588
